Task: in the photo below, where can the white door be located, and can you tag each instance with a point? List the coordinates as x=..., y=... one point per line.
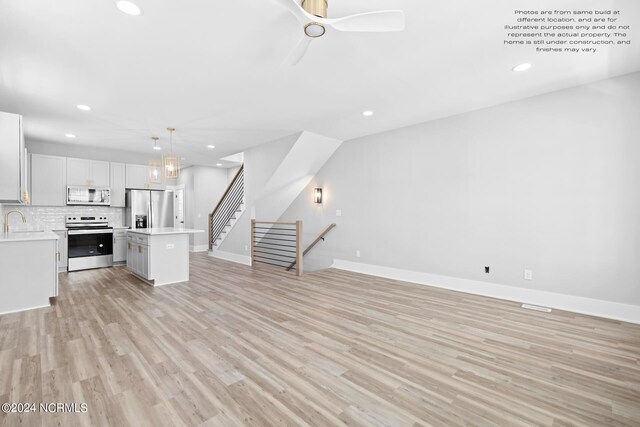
x=119, y=247
x=78, y=172
x=137, y=177
x=132, y=257
x=117, y=178
x=178, y=206
x=99, y=173
x=143, y=261
x=48, y=180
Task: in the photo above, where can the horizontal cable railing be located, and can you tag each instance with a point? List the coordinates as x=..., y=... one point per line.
x=312, y=245
x=277, y=244
x=227, y=207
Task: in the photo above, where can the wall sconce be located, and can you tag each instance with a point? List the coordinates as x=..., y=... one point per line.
x=317, y=195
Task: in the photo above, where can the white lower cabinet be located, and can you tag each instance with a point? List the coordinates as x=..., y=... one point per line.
x=138, y=257
x=63, y=256
x=23, y=286
x=143, y=261
x=132, y=256
x=120, y=246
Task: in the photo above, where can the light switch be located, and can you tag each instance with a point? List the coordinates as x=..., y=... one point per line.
x=338, y=212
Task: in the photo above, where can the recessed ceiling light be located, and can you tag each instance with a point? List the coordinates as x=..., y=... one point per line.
x=218, y=164
x=367, y=113
x=521, y=67
x=211, y=147
x=155, y=147
x=69, y=135
x=83, y=107
x=129, y=8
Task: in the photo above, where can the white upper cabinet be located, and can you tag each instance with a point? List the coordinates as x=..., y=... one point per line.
x=100, y=176
x=13, y=162
x=91, y=173
x=78, y=171
x=48, y=180
x=117, y=184
x=138, y=178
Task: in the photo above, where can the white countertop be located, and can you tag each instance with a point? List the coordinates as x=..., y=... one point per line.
x=27, y=236
x=164, y=231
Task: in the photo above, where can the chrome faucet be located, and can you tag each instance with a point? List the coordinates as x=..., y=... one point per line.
x=6, y=220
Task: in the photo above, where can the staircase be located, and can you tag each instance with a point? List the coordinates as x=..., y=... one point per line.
x=229, y=209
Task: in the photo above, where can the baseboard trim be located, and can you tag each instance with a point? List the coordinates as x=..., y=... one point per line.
x=199, y=248
x=25, y=309
x=589, y=306
x=229, y=256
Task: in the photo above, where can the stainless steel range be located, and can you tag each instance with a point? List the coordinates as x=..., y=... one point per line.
x=90, y=242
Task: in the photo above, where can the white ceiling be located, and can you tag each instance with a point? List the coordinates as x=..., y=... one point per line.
x=212, y=69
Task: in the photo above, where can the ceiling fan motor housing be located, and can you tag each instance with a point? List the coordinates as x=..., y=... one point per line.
x=316, y=7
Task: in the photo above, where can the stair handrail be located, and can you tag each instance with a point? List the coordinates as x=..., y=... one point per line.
x=233, y=181
x=315, y=242
x=222, y=199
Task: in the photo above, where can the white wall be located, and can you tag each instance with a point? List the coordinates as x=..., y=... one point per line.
x=259, y=165
x=550, y=183
x=186, y=179
x=204, y=186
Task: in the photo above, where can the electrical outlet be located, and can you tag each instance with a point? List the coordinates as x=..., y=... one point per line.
x=357, y=254
x=528, y=275
x=486, y=269
x=338, y=212
x=170, y=246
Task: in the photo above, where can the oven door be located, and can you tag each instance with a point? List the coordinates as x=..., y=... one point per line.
x=90, y=249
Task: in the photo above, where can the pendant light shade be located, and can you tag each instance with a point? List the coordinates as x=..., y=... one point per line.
x=155, y=166
x=171, y=162
x=155, y=171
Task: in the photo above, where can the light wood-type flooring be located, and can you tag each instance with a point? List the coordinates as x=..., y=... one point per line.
x=243, y=346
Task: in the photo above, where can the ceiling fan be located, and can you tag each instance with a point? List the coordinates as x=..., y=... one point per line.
x=312, y=14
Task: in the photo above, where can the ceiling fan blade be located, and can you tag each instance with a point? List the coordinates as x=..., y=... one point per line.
x=298, y=52
x=294, y=7
x=374, y=22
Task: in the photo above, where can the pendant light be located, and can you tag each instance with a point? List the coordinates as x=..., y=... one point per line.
x=155, y=166
x=171, y=161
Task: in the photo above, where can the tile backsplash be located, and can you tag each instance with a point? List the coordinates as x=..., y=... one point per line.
x=52, y=218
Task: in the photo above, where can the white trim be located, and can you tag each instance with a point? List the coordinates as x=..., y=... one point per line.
x=199, y=248
x=25, y=309
x=593, y=307
x=229, y=256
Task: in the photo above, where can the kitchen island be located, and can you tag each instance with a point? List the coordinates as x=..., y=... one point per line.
x=159, y=256
x=28, y=270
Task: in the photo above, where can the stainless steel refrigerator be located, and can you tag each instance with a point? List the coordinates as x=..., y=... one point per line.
x=148, y=209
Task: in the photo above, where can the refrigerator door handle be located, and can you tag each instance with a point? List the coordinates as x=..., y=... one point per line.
x=151, y=219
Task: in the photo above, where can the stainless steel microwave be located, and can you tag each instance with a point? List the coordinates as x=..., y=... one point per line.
x=88, y=196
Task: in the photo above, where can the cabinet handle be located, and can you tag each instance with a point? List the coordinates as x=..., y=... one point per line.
x=140, y=249
x=58, y=256
x=128, y=245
